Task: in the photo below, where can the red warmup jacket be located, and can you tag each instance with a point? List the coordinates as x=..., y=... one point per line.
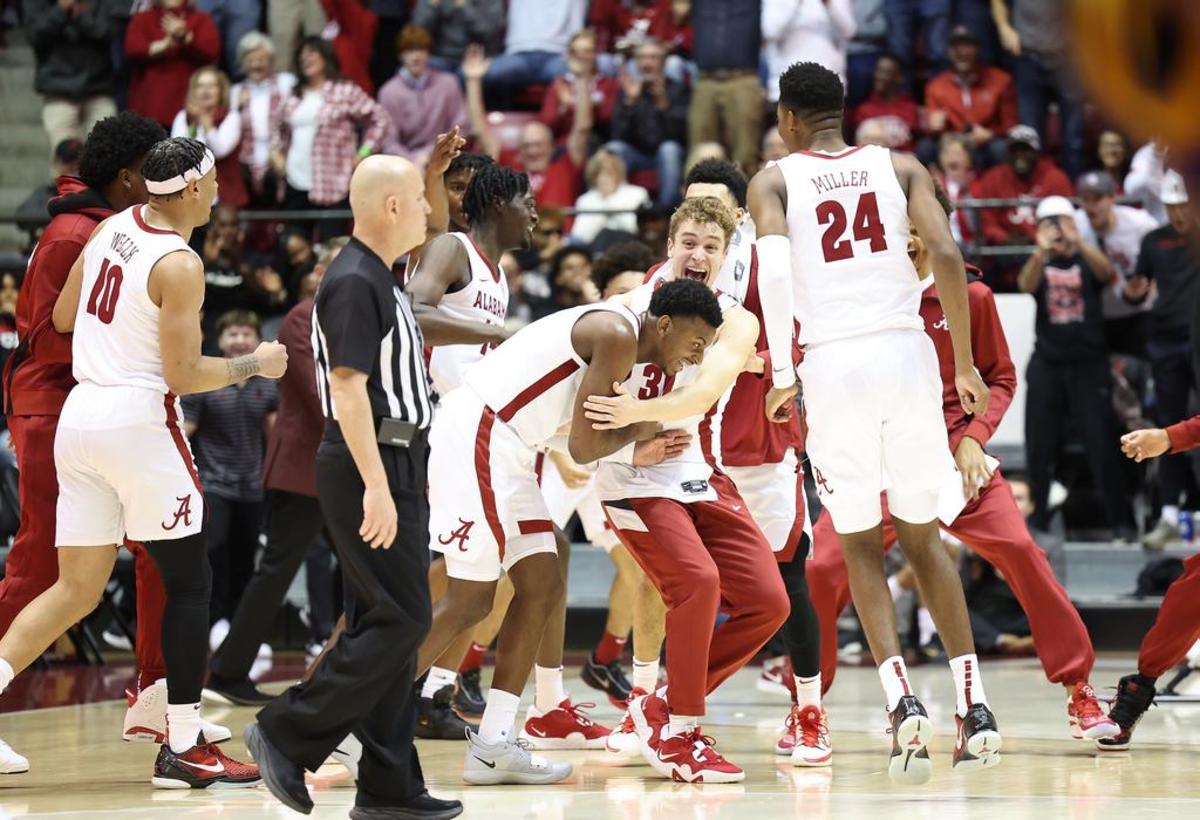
x=1185, y=435
x=990, y=101
x=37, y=376
x=158, y=85
x=1002, y=182
x=990, y=349
x=355, y=39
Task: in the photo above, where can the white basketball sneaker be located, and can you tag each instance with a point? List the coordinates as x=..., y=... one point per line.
x=348, y=753
x=491, y=764
x=10, y=761
x=146, y=717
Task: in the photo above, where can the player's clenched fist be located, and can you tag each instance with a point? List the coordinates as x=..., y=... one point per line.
x=1143, y=444
x=272, y=359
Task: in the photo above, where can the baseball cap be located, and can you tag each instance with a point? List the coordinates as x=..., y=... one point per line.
x=1096, y=182
x=962, y=33
x=1026, y=134
x=1174, y=190
x=1054, y=206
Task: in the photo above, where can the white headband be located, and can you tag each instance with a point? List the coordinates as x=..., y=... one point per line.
x=177, y=183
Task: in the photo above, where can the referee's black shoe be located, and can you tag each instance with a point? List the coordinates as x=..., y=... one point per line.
x=283, y=777
x=436, y=718
x=235, y=692
x=422, y=807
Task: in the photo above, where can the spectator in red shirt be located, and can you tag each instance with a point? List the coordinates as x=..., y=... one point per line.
x=354, y=41
x=889, y=108
x=558, y=105
x=555, y=173
x=971, y=98
x=164, y=45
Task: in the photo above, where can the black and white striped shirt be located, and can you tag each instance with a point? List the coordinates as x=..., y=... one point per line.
x=362, y=320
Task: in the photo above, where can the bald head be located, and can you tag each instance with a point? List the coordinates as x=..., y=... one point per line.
x=387, y=197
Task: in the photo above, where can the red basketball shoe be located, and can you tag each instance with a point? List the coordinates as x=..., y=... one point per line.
x=200, y=767
x=1087, y=720
x=564, y=727
x=691, y=758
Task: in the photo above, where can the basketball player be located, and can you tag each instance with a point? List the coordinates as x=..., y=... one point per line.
x=832, y=236
x=486, y=508
x=133, y=301
x=684, y=521
x=990, y=524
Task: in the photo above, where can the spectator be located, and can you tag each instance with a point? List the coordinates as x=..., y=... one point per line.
x=621, y=268
x=555, y=174
x=74, y=72
x=889, y=106
x=955, y=174
x=234, y=19
x=910, y=21
x=728, y=97
x=558, y=104
x=977, y=100
x=864, y=49
x=165, y=44
x=1112, y=154
x=10, y=288
x=1069, y=381
x=458, y=24
x=622, y=25
x=208, y=118
x=1035, y=34
x=257, y=98
x=228, y=430
x=315, y=144
x=1145, y=179
x=817, y=31
x=353, y=27
x=649, y=125
x=547, y=240
x=33, y=208
x=290, y=21
x=1170, y=258
x=571, y=278
x=773, y=146
x=422, y=101
x=609, y=191
x=538, y=34
x=1118, y=231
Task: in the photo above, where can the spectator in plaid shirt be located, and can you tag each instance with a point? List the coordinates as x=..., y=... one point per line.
x=316, y=141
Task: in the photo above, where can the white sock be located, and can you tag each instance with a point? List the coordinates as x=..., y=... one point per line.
x=438, y=678
x=183, y=725
x=548, y=687
x=895, y=588
x=925, y=626
x=968, y=683
x=680, y=724
x=894, y=676
x=1170, y=514
x=645, y=674
x=6, y=674
x=498, y=716
x=808, y=691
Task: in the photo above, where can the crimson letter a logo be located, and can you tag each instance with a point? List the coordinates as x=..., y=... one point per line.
x=184, y=512
x=460, y=535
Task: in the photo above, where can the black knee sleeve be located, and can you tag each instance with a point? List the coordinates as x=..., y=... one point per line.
x=801, y=632
x=187, y=579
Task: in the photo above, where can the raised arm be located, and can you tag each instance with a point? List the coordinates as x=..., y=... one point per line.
x=474, y=65
x=445, y=267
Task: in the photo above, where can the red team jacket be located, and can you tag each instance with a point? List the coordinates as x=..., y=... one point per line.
x=1185, y=435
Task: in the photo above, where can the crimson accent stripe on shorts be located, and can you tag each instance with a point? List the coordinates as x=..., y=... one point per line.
x=537, y=388
x=535, y=525
x=483, y=474
x=180, y=442
x=967, y=681
x=900, y=675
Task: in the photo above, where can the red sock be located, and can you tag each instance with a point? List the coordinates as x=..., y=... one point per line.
x=473, y=659
x=610, y=648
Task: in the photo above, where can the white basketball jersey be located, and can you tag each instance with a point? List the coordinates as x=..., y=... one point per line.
x=847, y=218
x=734, y=276
x=531, y=380
x=115, y=343
x=483, y=299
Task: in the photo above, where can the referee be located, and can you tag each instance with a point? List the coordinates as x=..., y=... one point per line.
x=370, y=469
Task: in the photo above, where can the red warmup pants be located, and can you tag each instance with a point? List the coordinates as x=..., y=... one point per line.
x=32, y=564
x=1177, y=626
x=994, y=528
x=698, y=555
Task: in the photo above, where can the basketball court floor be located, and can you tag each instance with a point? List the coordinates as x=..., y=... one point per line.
x=80, y=768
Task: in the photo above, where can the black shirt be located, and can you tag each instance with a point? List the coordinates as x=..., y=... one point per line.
x=727, y=34
x=362, y=320
x=1174, y=263
x=1070, y=326
x=231, y=436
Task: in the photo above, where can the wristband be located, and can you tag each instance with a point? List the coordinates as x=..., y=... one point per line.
x=365, y=151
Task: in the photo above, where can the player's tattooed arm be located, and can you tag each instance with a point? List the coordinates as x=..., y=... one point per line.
x=242, y=368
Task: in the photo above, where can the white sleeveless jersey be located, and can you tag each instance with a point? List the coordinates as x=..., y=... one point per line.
x=115, y=343
x=734, y=276
x=847, y=218
x=530, y=381
x=483, y=299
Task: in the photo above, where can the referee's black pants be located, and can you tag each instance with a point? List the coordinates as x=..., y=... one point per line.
x=293, y=524
x=365, y=683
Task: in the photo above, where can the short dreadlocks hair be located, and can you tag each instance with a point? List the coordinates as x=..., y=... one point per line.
x=172, y=157
x=115, y=143
x=468, y=162
x=686, y=298
x=624, y=256
x=704, y=210
x=811, y=88
x=492, y=184
x=719, y=172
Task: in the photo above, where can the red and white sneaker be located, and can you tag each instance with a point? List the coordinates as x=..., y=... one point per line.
x=776, y=677
x=202, y=766
x=623, y=740
x=812, y=745
x=146, y=717
x=564, y=727
x=692, y=758
x=787, y=740
x=650, y=717
x=1088, y=721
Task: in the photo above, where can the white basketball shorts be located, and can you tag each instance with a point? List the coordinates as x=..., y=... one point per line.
x=486, y=511
x=562, y=501
x=774, y=494
x=873, y=405
x=125, y=468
